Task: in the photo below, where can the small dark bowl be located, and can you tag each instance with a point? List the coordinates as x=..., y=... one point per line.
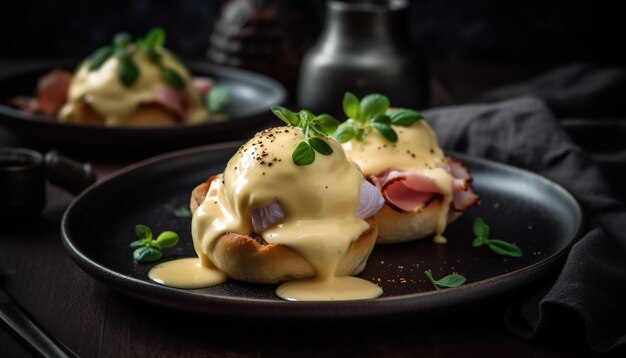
x=251, y=97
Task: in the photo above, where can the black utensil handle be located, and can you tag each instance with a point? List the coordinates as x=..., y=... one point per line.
x=28, y=331
x=69, y=174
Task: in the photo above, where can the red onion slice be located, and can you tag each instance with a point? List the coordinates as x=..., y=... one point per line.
x=370, y=200
x=266, y=216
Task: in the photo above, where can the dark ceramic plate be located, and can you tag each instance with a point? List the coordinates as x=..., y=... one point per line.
x=251, y=97
x=537, y=214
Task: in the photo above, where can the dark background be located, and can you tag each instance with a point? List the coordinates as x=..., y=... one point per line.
x=455, y=31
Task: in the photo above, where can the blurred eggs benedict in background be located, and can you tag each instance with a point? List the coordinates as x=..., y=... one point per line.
x=126, y=83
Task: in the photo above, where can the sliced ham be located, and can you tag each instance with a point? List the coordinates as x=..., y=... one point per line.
x=171, y=99
x=465, y=198
x=203, y=84
x=411, y=192
x=52, y=91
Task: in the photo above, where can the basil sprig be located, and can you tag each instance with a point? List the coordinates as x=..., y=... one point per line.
x=372, y=111
x=481, y=231
x=99, y=57
x=217, y=98
x=315, y=130
x=449, y=281
x=128, y=72
x=151, y=45
x=148, y=250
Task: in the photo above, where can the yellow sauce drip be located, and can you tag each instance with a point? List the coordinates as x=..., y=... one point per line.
x=319, y=201
x=104, y=92
x=186, y=273
x=332, y=289
x=417, y=149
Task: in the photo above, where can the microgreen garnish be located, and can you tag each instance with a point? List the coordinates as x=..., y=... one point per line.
x=123, y=49
x=314, y=128
x=172, y=77
x=148, y=250
x=217, y=97
x=127, y=72
x=481, y=231
x=449, y=281
x=372, y=111
x=182, y=212
x=99, y=57
x=155, y=38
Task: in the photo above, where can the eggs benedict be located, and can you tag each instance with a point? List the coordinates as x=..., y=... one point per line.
x=278, y=215
x=399, y=153
x=133, y=84
x=126, y=84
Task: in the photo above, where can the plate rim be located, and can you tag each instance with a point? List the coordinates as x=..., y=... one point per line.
x=414, y=304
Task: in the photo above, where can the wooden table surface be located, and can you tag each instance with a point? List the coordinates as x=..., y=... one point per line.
x=95, y=321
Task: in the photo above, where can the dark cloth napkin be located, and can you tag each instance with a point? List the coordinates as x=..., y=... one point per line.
x=526, y=132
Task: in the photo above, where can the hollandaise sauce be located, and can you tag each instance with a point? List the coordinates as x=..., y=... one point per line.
x=417, y=149
x=186, y=273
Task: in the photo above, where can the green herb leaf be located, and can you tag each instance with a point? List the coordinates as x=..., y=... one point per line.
x=449, y=281
x=345, y=131
x=320, y=146
x=127, y=72
x=167, y=239
x=351, y=106
x=121, y=39
x=306, y=117
x=173, y=78
x=405, y=117
x=373, y=104
x=480, y=228
x=386, y=131
x=147, y=254
x=153, y=55
x=328, y=123
x=143, y=232
x=372, y=111
x=317, y=130
x=217, y=98
x=382, y=118
x=155, y=37
x=137, y=244
x=99, y=57
x=500, y=247
x=148, y=250
x=478, y=242
x=359, y=134
x=286, y=115
x=183, y=212
x=505, y=248
x=303, y=154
